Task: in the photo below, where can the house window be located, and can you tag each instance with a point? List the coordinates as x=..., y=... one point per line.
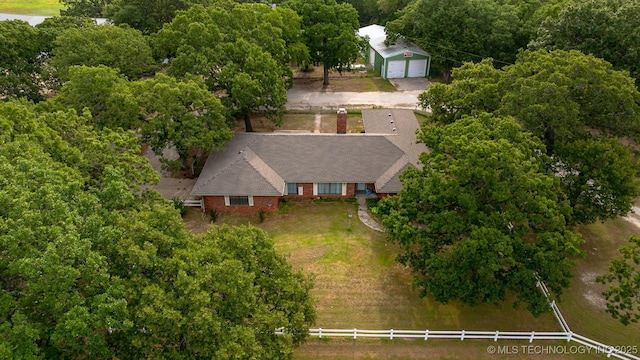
x=292, y=188
x=329, y=188
x=239, y=200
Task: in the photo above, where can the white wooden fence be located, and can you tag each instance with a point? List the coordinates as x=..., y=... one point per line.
x=619, y=352
x=554, y=308
x=194, y=203
x=623, y=353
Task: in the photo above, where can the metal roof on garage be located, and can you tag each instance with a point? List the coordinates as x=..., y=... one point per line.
x=377, y=37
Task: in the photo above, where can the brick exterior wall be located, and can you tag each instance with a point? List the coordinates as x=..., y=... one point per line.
x=307, y=192
x=266, y=203
x=342, y=121
x=270, y=203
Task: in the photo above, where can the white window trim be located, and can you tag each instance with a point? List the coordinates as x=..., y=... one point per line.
x=227, y=202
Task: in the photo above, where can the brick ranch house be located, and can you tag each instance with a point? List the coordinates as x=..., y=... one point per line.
x=256, y=170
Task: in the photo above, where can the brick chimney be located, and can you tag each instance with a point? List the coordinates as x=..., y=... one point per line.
x=342, y=121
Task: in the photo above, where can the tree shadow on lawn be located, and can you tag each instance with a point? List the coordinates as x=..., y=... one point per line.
x=358, y=284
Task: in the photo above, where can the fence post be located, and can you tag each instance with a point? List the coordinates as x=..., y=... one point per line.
x=533, y=335
x=462, y=335
x=426, y=335
x=495, y=338
x=391, y=335
x=355, y=333
x=320, y=333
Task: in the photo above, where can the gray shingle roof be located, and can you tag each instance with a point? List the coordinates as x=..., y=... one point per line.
x=262, y=163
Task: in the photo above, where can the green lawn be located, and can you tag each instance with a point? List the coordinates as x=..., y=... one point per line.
x=31, y=7
x=359, y=284
x=582, y=304
x=357, y=281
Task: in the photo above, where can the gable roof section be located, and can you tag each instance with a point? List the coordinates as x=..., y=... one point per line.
x=377, y=36
x=262, y=163
x=238, y=172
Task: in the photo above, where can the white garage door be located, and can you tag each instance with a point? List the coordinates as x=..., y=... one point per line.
x=372, y=57
x=396, y=69
x=417, y=68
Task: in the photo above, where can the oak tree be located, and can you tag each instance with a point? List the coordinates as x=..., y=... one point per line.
x=21, y=61
x=329, y=32
x=481, y=220
x=608, y=29
x=242, y=51
x=459, y=31
x=623, y=279
x=121, y=48
x=182, y=114
x=573, y=103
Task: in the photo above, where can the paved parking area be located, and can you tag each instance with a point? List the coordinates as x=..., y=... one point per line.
x=410, y=84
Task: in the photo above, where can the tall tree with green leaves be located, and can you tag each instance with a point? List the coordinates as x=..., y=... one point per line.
x=608, y=29
x=93, y=267
x=623, y=279
x=148, y=16
x=482, y=221
x=573, y=103
x=242, y=51
x=23, y=67
x=122, y=48
x=181, y=113
x=329, y=32
x=458, y=31
x=105, y=93
x=86, y=8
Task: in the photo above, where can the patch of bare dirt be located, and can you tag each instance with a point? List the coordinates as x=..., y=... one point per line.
x=593, y=297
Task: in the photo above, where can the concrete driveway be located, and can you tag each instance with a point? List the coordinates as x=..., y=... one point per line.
x=405, y=98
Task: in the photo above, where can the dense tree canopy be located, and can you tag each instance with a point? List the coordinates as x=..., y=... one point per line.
x=572, y=102
x=105, y=93
x=608, y=29
x=20, y=60
x=181, y=114
x=329, y=32
x=242, y=51
x=87, y=8
x=147, y=16
x=463, y=30
x=121, y=48
x=623, y=278
x=482, y=219
x=91, y=267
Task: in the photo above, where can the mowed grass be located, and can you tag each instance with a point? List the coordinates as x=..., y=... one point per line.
x=344, y=349
x=582, y=304
x=31, y=7
x=358, y=283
